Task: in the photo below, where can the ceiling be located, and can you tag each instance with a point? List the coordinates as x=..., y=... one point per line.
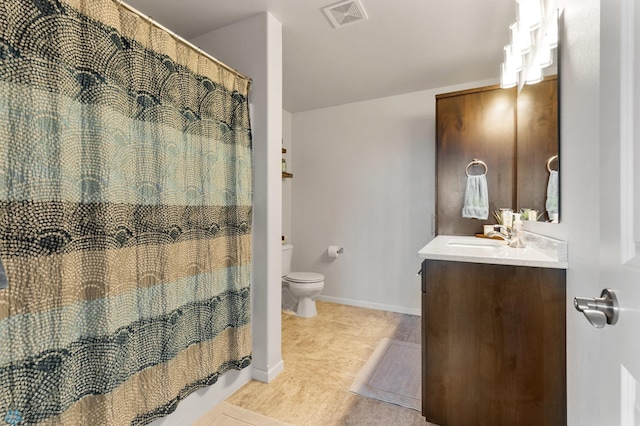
x=404, y=46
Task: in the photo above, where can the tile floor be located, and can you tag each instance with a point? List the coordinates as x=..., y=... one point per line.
x=322, y=357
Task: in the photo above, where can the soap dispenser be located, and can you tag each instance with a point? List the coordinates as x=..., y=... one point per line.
x=517, y=240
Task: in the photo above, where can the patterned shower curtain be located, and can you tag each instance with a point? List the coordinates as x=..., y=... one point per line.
x=125, y=216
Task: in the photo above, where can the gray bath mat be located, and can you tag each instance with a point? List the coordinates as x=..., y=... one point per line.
x=392, y=374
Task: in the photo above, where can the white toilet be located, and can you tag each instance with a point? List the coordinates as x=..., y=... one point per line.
x=299, y=289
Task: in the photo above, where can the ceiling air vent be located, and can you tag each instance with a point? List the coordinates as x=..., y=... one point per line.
x=346, y=13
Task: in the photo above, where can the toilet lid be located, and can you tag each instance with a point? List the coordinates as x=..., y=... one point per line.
x=304, y=277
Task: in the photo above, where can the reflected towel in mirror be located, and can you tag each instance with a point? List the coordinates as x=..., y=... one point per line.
x=476, y=198
x=552, y=195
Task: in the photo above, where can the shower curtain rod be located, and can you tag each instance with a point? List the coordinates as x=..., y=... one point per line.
x=182, y=40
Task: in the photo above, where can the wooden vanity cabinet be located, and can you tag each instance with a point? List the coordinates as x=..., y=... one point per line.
x=493, y=342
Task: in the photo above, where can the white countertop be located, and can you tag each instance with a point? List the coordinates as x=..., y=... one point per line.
x=541, y=252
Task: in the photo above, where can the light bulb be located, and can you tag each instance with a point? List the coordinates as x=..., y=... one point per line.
x=550, y=37
x=512, y=60
x=529, y=14
x=534, y=74
x=543, y=57
x=508, y=77
x=520, y=40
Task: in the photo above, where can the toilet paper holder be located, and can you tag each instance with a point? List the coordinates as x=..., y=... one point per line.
x=335, y=251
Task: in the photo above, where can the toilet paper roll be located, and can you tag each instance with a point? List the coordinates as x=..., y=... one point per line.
x=335, y=251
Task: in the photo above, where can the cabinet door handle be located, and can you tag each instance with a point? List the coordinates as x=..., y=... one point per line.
x=419, y=272
x=599, y=311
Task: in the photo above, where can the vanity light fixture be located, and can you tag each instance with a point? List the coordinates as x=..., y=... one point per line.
x=533, y=37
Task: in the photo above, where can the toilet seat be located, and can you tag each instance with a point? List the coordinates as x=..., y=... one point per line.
x=304, y=277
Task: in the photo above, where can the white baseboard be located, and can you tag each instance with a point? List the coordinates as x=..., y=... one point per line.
x=371, y=305
x=268, y=376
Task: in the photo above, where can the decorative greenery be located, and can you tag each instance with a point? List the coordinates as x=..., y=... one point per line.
x=531, y=214
x=498, y=215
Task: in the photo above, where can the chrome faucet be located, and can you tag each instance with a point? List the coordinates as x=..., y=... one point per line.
x=513, y=238
x=507, y=235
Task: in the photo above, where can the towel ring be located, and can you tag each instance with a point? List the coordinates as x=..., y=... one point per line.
x=549, y=161
x=477, y=162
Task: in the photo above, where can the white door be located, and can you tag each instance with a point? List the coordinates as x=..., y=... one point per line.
x=616, y=364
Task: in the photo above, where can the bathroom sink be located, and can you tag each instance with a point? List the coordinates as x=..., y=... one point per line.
x=473, y=242
x=544, y=253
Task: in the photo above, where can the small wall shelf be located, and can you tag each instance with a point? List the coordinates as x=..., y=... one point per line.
x=286, y=175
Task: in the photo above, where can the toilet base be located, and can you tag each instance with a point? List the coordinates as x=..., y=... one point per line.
x=301, y=297
x=306, y=308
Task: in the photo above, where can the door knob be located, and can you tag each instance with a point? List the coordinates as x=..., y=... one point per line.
x=600, y=311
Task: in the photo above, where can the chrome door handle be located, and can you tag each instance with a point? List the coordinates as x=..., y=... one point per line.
x=600, y=311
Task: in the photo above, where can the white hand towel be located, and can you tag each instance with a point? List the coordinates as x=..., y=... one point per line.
x=552, y=195
x=476, y=198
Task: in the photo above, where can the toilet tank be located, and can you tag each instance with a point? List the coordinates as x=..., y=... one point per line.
x=287, y=253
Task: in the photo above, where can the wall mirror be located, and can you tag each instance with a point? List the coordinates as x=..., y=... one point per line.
x=538, y=130
x=538, y=150
x=514, y=130
x=515, y=134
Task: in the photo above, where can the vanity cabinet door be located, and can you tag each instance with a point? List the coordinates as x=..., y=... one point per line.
x=493, y=344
